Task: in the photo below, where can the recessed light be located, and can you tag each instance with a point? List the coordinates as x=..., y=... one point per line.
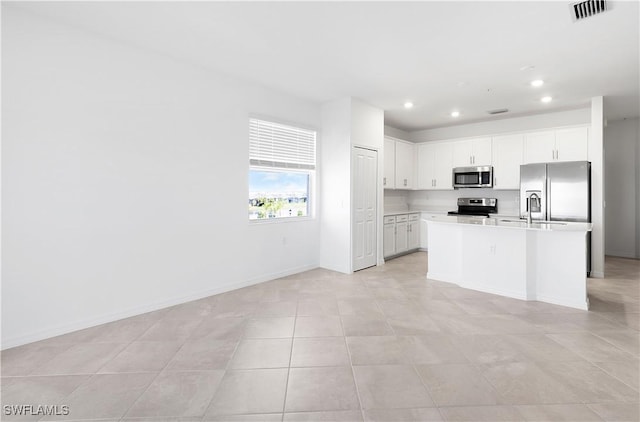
x=455, y=113
x=546, y=99
x=408, y=105
x=537, y=83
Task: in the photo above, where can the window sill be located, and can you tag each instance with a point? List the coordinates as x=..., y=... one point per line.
x=262, y=221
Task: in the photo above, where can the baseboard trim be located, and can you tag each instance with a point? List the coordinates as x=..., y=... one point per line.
x=564, y=302
x=142, y=309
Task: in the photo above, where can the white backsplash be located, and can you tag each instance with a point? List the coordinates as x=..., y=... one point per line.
x=403, y=200
x=508, y=200
x=396, y=201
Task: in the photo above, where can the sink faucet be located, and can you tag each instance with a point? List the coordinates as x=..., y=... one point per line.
x=530, y=201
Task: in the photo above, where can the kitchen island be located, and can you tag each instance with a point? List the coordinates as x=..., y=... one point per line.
x=539, y=261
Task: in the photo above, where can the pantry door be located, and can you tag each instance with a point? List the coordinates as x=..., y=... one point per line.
x=364, y=167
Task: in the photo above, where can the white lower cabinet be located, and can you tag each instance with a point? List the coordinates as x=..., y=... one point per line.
x=389, y=236
x=401, y=233
x=413, y=232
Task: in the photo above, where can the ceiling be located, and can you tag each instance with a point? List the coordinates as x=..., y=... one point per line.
x=442, y=56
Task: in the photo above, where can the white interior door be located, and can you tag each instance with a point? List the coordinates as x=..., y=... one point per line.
x=364, y=239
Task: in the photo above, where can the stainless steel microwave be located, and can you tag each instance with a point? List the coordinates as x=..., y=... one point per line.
x=473, y=177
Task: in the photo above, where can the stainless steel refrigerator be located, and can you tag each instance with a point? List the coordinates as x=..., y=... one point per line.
x=557, y=192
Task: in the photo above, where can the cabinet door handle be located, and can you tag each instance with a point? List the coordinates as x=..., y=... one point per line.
x=405, y=182
x=384, y=181
x=557, y=155
x=495, y=181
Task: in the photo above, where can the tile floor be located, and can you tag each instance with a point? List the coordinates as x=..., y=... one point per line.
x=383, y=344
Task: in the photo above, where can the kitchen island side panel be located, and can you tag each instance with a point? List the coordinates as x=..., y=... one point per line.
x=519, y=262
x=557, y=280
x=445, y=253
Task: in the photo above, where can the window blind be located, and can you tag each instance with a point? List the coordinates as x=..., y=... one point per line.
x=277, y=145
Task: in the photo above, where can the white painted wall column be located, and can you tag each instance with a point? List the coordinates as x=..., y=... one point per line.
x=346, y=123
x=596, y=156
x=335, y=187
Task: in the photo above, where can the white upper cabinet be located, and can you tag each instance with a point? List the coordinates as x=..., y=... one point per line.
x=443, y=166
x=556, y=145
x=389, y=177
x=572, y=144
x=507, y=151
x=405, y=165
x=462, y=155
x=426, y=165
x=472, y=152
x=434, y=165
x=482, y=152
x=540, y=147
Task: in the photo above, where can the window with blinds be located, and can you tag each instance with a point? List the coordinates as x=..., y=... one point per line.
x=277, y=145
x=282, y=161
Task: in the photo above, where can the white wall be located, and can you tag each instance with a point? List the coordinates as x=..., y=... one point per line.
x=622, y=187
x=124, y=182
x=335, y=186
x=396, y=133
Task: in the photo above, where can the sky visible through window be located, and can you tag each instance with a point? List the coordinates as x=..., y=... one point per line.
x=264, y=183
x=278, y=194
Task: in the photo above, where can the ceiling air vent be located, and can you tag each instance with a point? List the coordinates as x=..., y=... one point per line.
x=585, y=9
x=498, y=111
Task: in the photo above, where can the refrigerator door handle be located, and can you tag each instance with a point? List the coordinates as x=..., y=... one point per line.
x=548, y=201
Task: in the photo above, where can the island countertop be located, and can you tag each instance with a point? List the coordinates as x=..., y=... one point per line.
x=511, y=223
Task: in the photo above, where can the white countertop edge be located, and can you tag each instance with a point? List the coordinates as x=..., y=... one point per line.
x=444, y=212
x=523, y=225
x=389, y=214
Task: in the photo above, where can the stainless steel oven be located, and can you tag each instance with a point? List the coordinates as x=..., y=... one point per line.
x=473, y=177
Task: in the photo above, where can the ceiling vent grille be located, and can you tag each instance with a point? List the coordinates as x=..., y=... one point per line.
x=588, y=8
x=498, y=111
